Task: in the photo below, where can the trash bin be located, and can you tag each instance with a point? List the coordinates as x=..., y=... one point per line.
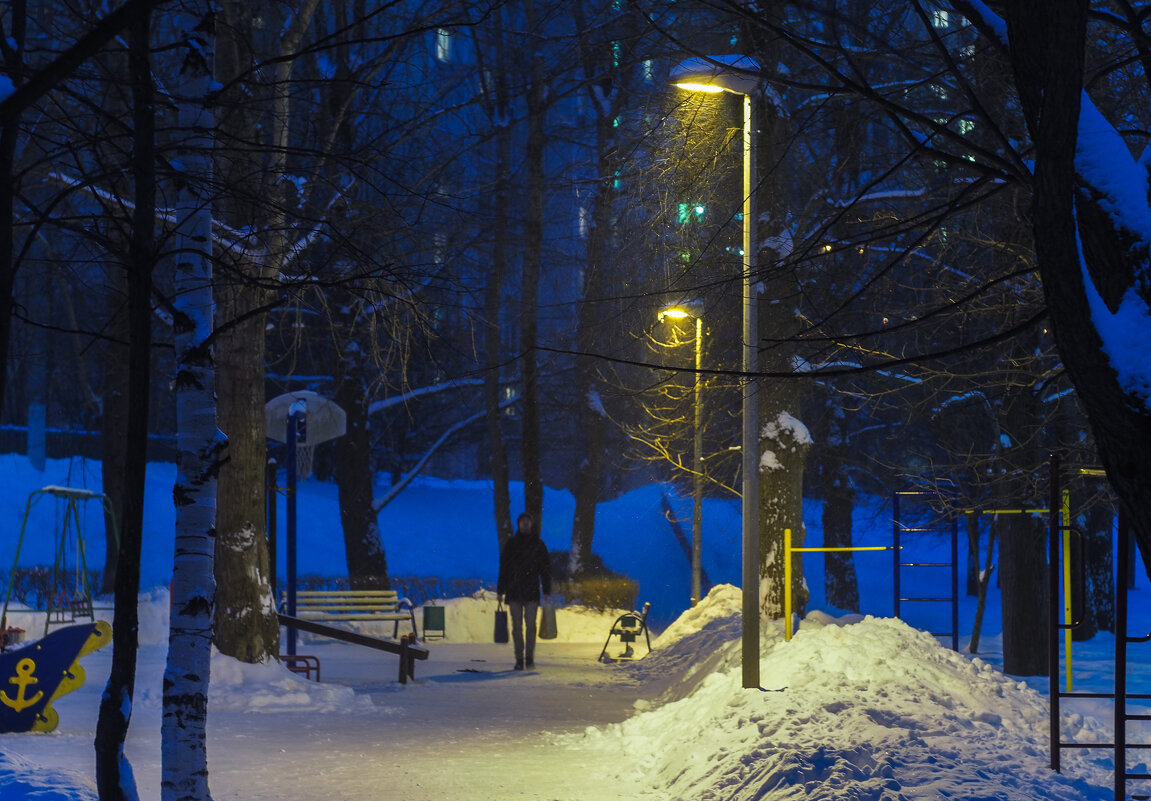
x=433, y=622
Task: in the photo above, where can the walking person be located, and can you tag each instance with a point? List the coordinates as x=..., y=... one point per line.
x=524, y=567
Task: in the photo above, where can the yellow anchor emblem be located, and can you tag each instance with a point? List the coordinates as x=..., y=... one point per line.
x=23, y=677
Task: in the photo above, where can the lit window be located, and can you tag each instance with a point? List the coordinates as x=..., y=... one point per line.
x=443, y=44
x=966, y=126
x=440, y=242
x=584, y=221
x=648, y=70
x=689, y=212
x=940, y=19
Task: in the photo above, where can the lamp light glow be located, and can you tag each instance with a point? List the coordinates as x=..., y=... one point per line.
x=701, y=87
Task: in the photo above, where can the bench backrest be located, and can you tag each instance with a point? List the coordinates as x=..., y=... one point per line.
x=346, y=600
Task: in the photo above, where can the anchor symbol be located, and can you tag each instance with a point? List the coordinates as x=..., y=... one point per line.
x=22, y=679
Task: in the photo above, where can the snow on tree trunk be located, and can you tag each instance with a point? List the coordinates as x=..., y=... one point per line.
x=246, y=626
x=184, y=766
x=784, y=442
x=1092, y=233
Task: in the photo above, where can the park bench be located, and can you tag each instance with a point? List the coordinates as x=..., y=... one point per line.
x=317, y=609
x=627, y=627
x=334, y=606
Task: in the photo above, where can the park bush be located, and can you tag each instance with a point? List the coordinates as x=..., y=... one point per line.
x=601, y=593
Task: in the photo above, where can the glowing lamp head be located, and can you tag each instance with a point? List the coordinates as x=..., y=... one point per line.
x=701, y=87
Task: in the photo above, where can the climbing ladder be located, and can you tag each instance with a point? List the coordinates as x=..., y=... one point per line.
x=900, y=528
x=1059, y=577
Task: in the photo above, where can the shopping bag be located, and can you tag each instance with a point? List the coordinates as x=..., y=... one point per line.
x=501, y=633
x=548, y=629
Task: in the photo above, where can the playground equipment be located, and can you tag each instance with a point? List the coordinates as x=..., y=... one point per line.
x=69, y=594
x=301, y=420
x=627, y=627
x=1060, y=572
x=900, y=528
x=34, y=676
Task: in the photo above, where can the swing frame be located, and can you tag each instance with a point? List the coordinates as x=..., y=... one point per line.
x=76, y=607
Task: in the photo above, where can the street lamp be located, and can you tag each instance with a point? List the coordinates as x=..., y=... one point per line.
x=740, y=75
x=681, y=313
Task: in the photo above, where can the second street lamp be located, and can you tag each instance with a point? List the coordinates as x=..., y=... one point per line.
x=740, y=75
x=680, y=313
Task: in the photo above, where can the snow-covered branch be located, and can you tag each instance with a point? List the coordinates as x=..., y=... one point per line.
x=398, y=400
x=403, y=483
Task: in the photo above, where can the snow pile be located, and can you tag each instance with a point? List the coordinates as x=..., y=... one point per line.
x=870, y=710
x=21, y=779
x=722, y=602
x=270, y=687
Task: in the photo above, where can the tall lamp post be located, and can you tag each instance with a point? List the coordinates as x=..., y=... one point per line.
x=681, y=313
x=740, y=75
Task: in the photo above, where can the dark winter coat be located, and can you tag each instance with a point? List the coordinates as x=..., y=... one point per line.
x=524, y=566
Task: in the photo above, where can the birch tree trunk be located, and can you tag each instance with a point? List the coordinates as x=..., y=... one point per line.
x=184, y=763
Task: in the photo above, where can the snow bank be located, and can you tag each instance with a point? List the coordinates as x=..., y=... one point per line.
x=870, y=710
x=21, y=779
x=270, y=687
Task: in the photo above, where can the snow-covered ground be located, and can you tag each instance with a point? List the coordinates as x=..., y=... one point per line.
x=851, y=708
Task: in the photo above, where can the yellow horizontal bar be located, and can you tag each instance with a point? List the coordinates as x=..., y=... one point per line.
x=1006, y=511
x=1091, y=471
x=862, y=548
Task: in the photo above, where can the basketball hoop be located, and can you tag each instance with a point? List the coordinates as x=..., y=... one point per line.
x=304, y=453
x=319, y=419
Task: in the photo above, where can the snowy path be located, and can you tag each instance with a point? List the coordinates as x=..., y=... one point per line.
x=453, y=734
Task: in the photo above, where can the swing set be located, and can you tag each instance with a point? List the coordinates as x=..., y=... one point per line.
x=69, y=594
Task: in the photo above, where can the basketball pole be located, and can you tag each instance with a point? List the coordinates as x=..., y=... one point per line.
x=290, y=522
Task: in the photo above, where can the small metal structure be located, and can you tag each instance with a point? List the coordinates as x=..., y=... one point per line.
x=301, y=420
x=434, y=624
x=899, y=528
x=69, y=593
x=789, y=552
x=627, y=627
x=318, y=420
x=1060, y=571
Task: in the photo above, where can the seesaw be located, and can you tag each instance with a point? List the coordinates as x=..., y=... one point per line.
x=34, y=676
